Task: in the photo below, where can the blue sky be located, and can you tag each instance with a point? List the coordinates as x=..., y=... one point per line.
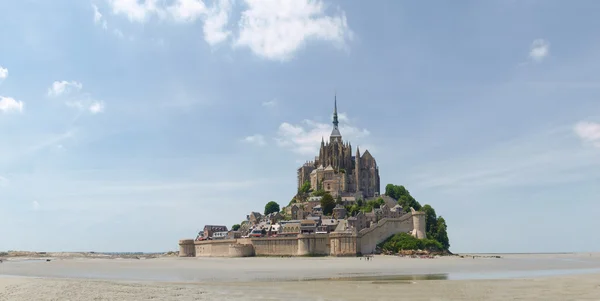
x=126, y=125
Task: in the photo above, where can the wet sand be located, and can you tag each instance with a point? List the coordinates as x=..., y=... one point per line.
x=525, y=277
x=551, y=288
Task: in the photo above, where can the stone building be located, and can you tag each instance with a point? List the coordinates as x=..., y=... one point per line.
x=297, y=212
x=338, y=171
x=210, y=229
x=339, y=212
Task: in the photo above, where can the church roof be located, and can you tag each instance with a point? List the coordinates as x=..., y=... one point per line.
x=329, y=168
x=336, y=132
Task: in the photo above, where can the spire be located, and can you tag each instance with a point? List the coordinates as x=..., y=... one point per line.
x=335, y=133
x=335, y=116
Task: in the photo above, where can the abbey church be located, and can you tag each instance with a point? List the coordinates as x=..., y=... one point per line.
x=338, y=171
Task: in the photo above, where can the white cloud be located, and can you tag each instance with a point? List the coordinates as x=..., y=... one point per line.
x=588, y=132
x=277, y=29
x=539, y=50
x=3, y=181
x=305, y=138
x=269, y=28
x=35, y=205
x=269, y=103
x=8, y=104
x=135, y=10
x=97, y=107
x=216, y=21
x=61, y=87
x=97, y=14
x=3, y=73
x=255, y=139
x=98, y=18
x=141, y=10
x=187, y=10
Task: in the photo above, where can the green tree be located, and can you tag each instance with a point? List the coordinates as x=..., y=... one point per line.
x=271, y=207
x=402, y=195
x=405, y=241
x=431, y=221
x=319, y=192
x=338, y=200
x=352, y=210
x=327, y=204
x=235, y=227
x=442, y=234
x=305, y=188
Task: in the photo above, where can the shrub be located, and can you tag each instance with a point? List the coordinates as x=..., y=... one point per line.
x=405, y=241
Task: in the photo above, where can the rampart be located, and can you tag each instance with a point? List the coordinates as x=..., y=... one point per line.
x=370, y=237
x=332, y=244
x=278, y=246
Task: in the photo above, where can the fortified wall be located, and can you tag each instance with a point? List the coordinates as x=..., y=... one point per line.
x=332, y=244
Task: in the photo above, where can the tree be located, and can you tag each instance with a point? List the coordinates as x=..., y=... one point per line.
x=352, y=210
x=431, y=221
x=399, y=193
x=319, y=192
x=405, y=241
x=235, y=227
x=442, y=234
x=338, y=200
x=327, y=204
x=271, y=207
x=305, y=188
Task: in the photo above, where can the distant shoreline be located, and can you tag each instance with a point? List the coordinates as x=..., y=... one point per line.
x=33, y=254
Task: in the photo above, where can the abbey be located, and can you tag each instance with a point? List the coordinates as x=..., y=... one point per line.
x=339, y=172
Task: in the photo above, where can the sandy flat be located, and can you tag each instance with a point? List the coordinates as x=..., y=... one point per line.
x=274, y=269
x=513, y=277
x=550, y=288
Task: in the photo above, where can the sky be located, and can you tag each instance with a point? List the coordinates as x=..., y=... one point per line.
x=126, y=125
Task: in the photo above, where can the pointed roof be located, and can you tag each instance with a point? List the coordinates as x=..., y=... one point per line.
x=367, y=155
x=335, y=132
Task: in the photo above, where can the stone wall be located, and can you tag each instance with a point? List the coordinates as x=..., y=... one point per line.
x=281, y=246
x=334, y=244
x=370, y=237
x=343, y=244
x=213, y=248
x=313, y=244
x=186, y=248
x=240, y=250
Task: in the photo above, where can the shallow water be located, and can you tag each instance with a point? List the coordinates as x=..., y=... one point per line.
x=385, y=269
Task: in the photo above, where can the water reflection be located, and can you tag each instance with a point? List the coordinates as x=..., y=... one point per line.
x=385, y=278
